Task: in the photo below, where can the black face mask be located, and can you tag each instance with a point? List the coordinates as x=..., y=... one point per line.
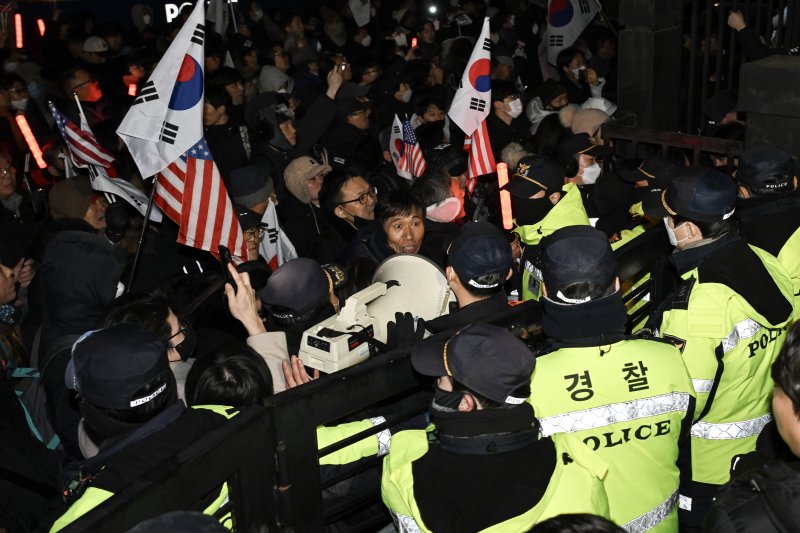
x=528, y=211
x=186, y=348
x=447, y=400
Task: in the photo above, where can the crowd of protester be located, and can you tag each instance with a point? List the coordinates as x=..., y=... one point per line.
x=297, y=113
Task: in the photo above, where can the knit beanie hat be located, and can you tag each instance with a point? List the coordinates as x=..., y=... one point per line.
x=298, y=171
x=587, y=121
x=70, y=198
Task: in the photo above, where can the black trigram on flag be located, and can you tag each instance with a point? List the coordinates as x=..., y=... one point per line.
x=272, y=235
x=584, y=6
x=487, y=45
x=148, y=93
x=556, y=40
x=396, y=129
x=168, y=132
x=476, y=104
x=199, y=34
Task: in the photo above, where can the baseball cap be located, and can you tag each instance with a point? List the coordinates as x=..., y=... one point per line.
x=697, y=193
x=766, y=170
x=533, y=174
x=297, y=287
x=95, y=44
x=247, y=218
x=658, y=171
x=480, y=249
x=110, y=365
x=486, y=359
x=580, y=143
x=576, y=254
x=347, y=106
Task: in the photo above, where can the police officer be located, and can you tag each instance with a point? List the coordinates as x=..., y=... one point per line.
x=728, y=317
x=631, y=400
x=541, y=204
x=768, y=207
x=484, y=466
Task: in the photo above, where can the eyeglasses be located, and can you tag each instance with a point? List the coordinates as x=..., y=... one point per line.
x=90, y=80
x=283, y=53
x=363, y=197
x=255, y=233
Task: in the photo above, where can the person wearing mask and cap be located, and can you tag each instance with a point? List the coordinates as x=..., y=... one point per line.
x=129, y=405
x=578, y=155
x=581, y=82
x=768, y=207
x=485, y=435
x=630, y=400
x=541, y=203
x=728, y=317
x=502, y=123
x=479, y=261
x=550, y=98
x=299, y=212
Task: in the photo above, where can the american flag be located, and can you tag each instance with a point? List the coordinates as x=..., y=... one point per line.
x=82, y=145
x=413, y=152
x=190, y=192
x=481, y=158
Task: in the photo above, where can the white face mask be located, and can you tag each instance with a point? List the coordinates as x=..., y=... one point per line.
x=401, y=40
x=146, y=19
x=407, y=96
x=590, y=174
x=258, y=15
x=366, y=41
x=673, y=239
x=19, y=105
x=120, y=289
x=514, y=108
x=577, y=72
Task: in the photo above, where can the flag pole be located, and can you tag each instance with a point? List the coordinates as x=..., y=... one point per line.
x=141, y=236
x=110, y=198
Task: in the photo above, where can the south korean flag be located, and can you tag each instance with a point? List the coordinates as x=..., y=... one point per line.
x=566, y=20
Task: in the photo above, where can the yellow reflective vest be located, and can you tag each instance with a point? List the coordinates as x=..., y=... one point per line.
x=728, y=348
x=628, y=402
x=569, y=211
x=575, y=487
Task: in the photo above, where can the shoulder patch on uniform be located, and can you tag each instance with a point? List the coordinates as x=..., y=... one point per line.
x=682, y=294
x=566, y=458
x=679, y=343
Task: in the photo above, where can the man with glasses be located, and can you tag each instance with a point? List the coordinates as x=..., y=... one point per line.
x=349, y=201
x=82, y=83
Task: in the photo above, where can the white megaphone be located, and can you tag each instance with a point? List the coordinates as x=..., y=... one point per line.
x=402, y=283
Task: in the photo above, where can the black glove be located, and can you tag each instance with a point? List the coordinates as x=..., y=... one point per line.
x=404, y=331
x=116, y=221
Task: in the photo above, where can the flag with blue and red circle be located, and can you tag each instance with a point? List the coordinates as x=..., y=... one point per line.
x=166, y=117
x=473, y=99
x=566, y=20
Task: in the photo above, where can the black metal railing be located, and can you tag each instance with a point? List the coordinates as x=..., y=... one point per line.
x=269, y=455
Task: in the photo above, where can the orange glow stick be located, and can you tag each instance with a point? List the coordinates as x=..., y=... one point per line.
x=31, y=140
x=40, y=23
x=505, y=196
x=131, y=89
x=18, y=29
